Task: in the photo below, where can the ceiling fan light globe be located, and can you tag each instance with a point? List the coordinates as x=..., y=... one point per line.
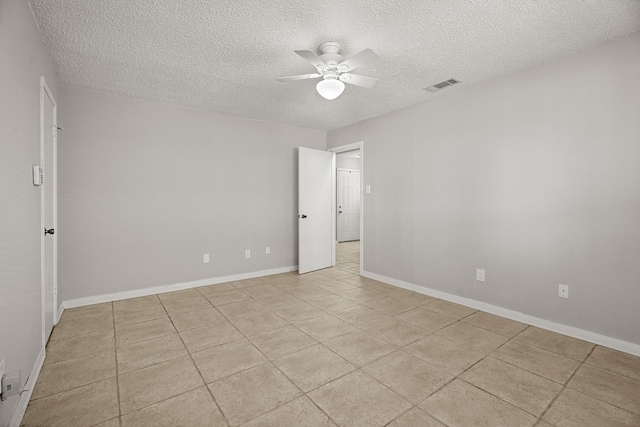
x=330, y=89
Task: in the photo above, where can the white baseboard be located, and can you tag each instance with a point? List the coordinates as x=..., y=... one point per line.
x=571, y=331
x=79, y=302
x=25, y=396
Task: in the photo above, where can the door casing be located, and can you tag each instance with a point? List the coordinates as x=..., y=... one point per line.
x=341, y=149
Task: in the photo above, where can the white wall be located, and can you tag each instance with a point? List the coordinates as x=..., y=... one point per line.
x=534, y=177
x=145, y=189
x=23, y=59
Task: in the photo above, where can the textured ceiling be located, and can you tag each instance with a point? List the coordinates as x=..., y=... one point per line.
x=225, y=55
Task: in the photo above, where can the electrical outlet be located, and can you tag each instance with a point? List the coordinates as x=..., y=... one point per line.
x=480, y=275
x=563, y=291
x=205, y=258
x=268, y=250
x=247, y=253
x=11, y=384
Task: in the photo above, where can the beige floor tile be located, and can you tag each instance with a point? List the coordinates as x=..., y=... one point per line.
x=390, y=306
x=415, y=417
x=227, y=359
x=335, y=286
x=153, y=384
x=332, y=302
x=212, y=289
x=350, y=314
x=542, y=423
x=82, y=325
x=297, y=413
x=149, y=352
x=615, y=389
x=248, y=282
x=407, y=375
x=472, y=336
x=307, y=293
x=78, y=407
x=258, y=323
x=139, y=315
x=82, y=345
x=115, y=422
x=197, y=319
x=336, y=274
x=450, y=309
x=448, y=355
x=133, y=303
x=179, y=306
x=298, y=312
x=368, y=320
x=395, y=332
x=414, y=297
x=557, y=343
x=263, y=290
x=361, y=295
x=615, y=361
x=325, y=327
x=209, y=336
x=226, y=296
x=521, y=388
x=313, y=367
x=237, y=309
x=573, y=409
x=194, y=408
x=282, y=341
x=383, y=288
x=552, y=366
x=280, y=279
x=499, y=325
x=359, y=347
x=274, y=302
x=57, y=377
x=169, y=297
x=132, y=334
x=459, y=404
x=425, y=319
x=85, y=311
x=357, y=400
x=249, y=394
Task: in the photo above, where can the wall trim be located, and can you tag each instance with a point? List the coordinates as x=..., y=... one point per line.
x=25, y=396
x=97, y=299
x=592, y=337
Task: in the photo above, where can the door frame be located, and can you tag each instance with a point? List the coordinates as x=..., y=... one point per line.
x=46, y=92
x=341, y=149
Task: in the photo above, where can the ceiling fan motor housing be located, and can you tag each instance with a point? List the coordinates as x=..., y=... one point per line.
x=329, y=54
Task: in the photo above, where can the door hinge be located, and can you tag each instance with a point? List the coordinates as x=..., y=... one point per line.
x=55, y=289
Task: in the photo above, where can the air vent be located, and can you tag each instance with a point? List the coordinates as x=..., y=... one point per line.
x=441, y=85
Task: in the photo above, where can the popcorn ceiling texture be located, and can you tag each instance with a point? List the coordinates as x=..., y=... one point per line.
x=225, y=55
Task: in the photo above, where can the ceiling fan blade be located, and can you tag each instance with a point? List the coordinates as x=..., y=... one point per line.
x=312, y=58
x=355, y=79
x=300, y=77
x=358, y=60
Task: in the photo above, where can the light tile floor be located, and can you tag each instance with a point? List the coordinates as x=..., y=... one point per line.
x=328, y=348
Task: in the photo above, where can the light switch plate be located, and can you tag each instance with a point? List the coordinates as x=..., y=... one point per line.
x=563, y=291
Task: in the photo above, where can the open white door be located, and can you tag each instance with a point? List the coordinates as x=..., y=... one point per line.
x=48, y=132
x=315, y=211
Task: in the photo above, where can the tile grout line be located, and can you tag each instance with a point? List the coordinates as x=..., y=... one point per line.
x=115, y=352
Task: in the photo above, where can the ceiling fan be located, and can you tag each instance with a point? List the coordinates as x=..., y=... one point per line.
x=335, y=70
